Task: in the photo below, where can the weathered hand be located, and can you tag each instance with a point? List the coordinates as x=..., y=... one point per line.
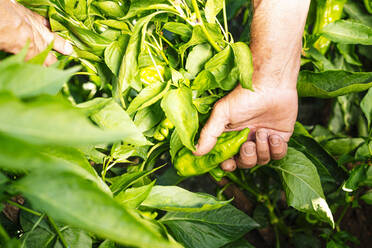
x=19, y=25
x=270, y=113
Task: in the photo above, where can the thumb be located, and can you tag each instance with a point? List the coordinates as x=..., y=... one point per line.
x=212, y=129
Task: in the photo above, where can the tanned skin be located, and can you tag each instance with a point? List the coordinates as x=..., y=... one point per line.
x=19, y=25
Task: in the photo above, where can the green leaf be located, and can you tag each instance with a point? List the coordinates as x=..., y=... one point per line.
x=173, y=198
x=357, y=176
x=198, y=56
x=366, y=106
x=220, y=65
x=114, y=54
x=147, y=118
x=364, y=152
x=212, y=8
x=243, y=59
x=204, y=104
x=357, y=12
x=138, y=6
x=148, y=96
x=302, y=185
x=332, y=83
x=179, y=109
x=110, y=8
x=133, y=197
x=179, y=28
x=175, y=144
x=28, y=80
x=341, y=146
x=210, y=228
x=122, y=182
x=367, y=197
x=198, y=36
x=348, y=32
x=324, y=162
x=204, y=81
x=113, y=118
x=17, y=156
x=69, y=199
x=348, y=51
x=48, y=120
x=240, y=243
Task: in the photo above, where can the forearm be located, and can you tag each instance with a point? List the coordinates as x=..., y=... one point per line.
x=277, y=29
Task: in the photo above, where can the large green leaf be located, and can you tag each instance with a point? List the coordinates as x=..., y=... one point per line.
x=173, y=198
x=302, y=185
x=210, y=228
x=348, y=32
x=332, y=83
x=74, y=201
x=113, y=118
x=324, y=162
x=20, y=157
x=341, y=146
x=178, y=107
x=50, y=120
x=27, y=80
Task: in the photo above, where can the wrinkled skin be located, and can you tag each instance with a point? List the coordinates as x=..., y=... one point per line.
x=18, y=25
x=270, y=110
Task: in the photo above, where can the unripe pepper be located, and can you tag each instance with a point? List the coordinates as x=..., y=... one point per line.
x=162, y=129
x=228, y=144
x=328, y=11
x=150, y=74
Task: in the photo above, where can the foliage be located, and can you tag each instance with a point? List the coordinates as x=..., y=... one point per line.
x=85, y=142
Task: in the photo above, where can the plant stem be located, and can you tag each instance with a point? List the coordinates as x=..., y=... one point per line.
x=225, y=18
x=277, y=236
x=24, y=208
x=204, y=29
x=338, y=222
x=60, y=236
x=236, y=180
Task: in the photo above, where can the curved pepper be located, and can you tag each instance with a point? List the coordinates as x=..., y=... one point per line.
x=328, y=11
x=228, y=144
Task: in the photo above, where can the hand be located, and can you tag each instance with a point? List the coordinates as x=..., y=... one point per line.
x=19, y=25
x=269, y=112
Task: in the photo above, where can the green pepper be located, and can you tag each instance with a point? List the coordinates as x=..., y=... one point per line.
x=166, y=123
x=228, y=144
x=328, y=11
x=368, y=4
x=158, y=136
x=150, y=74
x=217, y=173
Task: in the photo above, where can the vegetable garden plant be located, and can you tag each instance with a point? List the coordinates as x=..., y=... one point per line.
x=96, y=150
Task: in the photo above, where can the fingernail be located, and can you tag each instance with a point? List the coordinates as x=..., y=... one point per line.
x=249, y=150
x=68, y=48
x=262, y=136
x=274, y=140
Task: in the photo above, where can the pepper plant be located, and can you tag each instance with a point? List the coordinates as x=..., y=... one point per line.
x=95, y=150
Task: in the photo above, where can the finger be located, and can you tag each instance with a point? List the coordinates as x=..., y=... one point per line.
x=278, y=147
x=228, y=165
x=212, y=130
x=262, y=144
x=247, y=156
x=50, y=59
x=61, y=45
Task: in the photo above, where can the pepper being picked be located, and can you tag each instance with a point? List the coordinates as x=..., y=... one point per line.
x=228, y=144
